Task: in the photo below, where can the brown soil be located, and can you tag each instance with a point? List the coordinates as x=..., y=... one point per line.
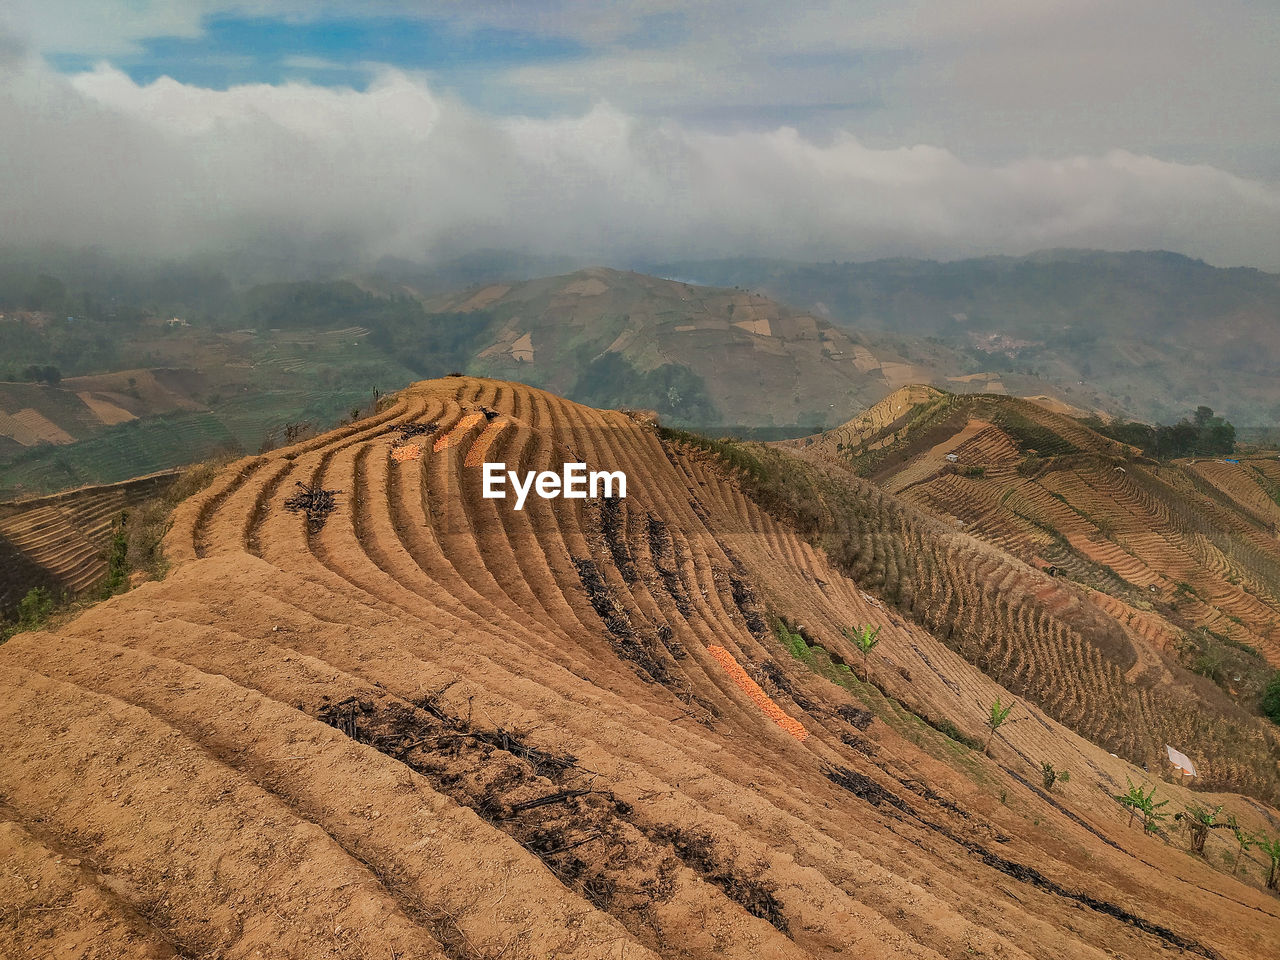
x=436, y=727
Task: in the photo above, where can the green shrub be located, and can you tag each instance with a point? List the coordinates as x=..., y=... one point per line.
x=1050, y=776
x=1270, y=702
x=117, y=557
x=35, y=607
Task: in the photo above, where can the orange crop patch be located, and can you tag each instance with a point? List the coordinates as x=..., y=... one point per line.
x=752, y=690
x=406, y=452
x=459, y=429
x=476, y=455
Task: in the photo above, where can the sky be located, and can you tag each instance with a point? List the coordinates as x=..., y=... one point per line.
x=650, y=130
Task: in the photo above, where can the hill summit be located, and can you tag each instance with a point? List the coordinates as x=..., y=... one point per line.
x=698, y=354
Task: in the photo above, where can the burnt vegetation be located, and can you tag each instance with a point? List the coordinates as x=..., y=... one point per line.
x=408, y=431
x=613, y=523
x=644, y=648
x=315, y=502
x=592, y=840
x=662, y=550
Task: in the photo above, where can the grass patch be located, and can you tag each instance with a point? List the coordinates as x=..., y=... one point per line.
x=792, y=640
x=939, y=737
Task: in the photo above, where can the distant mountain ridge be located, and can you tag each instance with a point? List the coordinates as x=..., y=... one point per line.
x=700, y=355
x=1147, y=334
x=1088, y=332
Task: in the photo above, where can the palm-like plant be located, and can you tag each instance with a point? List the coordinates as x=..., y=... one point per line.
x=999, y=714
x=1143, y=803
x=1244, y=840
x=1200, y=821
x=865, y=639
x=1271, y=847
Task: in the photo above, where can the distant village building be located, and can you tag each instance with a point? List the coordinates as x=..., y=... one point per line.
x=178, y=322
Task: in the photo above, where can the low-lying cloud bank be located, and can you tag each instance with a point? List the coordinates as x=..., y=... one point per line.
x=169, y=169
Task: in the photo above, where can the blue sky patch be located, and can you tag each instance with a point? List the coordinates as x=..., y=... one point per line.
x=237, y=50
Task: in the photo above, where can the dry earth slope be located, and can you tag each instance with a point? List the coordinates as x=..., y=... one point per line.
x=60, y=541
x=1194, y=542
x=433, y=726
x=1181, y=559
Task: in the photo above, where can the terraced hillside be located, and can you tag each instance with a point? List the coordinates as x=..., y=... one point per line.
x=1198, y=536
x=60, y=541
x=79, y=406
x=1186, y=554
x=415, y=722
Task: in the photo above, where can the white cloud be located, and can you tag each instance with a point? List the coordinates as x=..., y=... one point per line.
x=168, y=168
x=99, y=27
x=989, y=79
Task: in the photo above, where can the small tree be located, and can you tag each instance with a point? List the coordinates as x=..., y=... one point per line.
x=1271, y=847
x=865, y=639
x=1052, y=776
x=1244, y=841
x=1200, y=821
x=1143, y=804
x=999, y=714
